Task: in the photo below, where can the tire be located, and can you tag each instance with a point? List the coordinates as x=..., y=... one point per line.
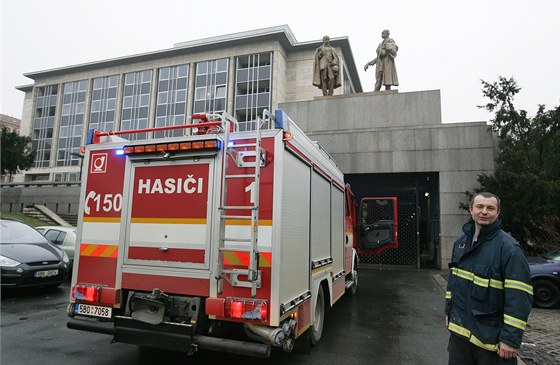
x=317, y=328
x=545, y=294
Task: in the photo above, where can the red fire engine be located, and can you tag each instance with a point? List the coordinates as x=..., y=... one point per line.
x=217, y=239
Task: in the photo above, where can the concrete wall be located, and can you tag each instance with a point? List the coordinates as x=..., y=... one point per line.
x=59, y=197
x=391, y=132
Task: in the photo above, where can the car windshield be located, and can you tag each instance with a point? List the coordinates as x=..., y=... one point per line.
x=17, y=232
x=553, y=255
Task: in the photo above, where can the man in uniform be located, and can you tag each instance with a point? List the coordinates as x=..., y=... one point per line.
x=489, y=292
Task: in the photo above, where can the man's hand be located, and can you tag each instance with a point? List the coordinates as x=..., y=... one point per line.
x=506, y=351
x=446, y=321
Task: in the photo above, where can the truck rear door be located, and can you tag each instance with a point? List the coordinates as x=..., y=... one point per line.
x=169, y=225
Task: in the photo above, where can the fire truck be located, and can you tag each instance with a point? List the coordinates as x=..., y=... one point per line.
x=204, y=236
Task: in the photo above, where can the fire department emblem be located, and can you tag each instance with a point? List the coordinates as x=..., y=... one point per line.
x=98, y=163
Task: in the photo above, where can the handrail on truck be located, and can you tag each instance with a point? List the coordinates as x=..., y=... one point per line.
x=206, y=118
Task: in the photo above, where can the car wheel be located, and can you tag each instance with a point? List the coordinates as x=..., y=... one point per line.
x=545, y=294
x=317, y=328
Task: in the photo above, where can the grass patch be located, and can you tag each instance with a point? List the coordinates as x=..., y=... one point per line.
x=24, y=218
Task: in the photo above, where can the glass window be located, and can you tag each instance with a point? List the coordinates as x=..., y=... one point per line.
x=182, y=83
x=104, y=100
x=221, y=92
x=211, y=78
x=129, y=79
x=113, y=81
x=97, y=83
x=163, y=85
x=200, y=93
x=43, y=122
x=136, y=100
x=171, y=109
x=164, y=73
x=221, y=78
x=181, y=95
x=70, y=139
x=201, y=68
x=252, y=87
x=221, y=65
x=183, y=71
x=162, y=98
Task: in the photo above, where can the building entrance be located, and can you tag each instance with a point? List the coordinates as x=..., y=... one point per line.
x=418, y=216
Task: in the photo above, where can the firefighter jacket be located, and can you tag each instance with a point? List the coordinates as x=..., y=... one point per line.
x=489, y=293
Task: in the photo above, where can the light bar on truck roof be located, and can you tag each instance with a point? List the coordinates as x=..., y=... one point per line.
x=209, y=144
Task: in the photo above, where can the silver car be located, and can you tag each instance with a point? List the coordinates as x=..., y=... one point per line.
x=63, y=237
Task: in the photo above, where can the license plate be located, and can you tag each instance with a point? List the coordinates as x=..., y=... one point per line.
x=45, y=273
x=93, y=310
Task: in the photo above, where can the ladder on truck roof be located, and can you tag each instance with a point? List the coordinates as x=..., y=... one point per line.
x=231, y=153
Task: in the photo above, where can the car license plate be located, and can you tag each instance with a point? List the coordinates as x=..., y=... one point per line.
x=93, y=310
x=45, y=273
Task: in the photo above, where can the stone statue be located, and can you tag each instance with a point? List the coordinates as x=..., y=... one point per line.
x=385, y=70
x=326, y=68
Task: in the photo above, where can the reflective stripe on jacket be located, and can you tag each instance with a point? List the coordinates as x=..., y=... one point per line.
x=489, y=292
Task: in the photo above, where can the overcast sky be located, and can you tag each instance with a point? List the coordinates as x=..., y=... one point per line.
x=449, y=45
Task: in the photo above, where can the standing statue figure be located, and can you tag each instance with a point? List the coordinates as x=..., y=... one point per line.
x=326, y=68
x=385, y=70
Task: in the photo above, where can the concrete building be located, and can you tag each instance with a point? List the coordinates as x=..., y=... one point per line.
x=387, y=143
x=12, y=123
x=242, y=73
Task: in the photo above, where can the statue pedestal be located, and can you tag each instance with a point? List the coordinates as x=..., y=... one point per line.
x=385, y=92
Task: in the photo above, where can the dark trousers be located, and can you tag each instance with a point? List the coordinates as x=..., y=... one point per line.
x=462, y=352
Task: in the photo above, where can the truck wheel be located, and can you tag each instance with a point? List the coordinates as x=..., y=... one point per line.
x=317, y=328
x=546, y=294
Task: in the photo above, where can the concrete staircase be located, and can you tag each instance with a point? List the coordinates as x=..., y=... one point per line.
x=46, y=215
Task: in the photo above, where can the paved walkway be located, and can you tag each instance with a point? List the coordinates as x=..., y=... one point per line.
x=541, y=342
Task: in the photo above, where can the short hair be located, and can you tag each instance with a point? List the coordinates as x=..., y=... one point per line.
x=485, y=194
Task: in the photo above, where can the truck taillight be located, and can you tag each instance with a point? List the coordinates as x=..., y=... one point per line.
x=246, y=309
x=86, y=293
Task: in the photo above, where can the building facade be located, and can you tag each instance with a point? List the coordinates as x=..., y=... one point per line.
x=11, y=123
x=386, y=143
x=242, y=74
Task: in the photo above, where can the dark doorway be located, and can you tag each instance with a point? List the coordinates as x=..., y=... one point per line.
x=418, y=213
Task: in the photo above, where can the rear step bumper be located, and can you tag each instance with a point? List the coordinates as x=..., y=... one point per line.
x=175, y=337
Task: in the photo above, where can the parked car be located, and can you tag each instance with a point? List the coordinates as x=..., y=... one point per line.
x=545, y=274
x=63, y=237
x=28, y=259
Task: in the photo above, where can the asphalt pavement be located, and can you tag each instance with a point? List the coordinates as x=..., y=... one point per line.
x=396, y=317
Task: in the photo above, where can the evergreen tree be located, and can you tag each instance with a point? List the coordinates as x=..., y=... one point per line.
x=527, y=177
x=16, y=152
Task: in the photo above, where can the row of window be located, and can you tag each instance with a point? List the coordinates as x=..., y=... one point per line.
x=107, y=112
